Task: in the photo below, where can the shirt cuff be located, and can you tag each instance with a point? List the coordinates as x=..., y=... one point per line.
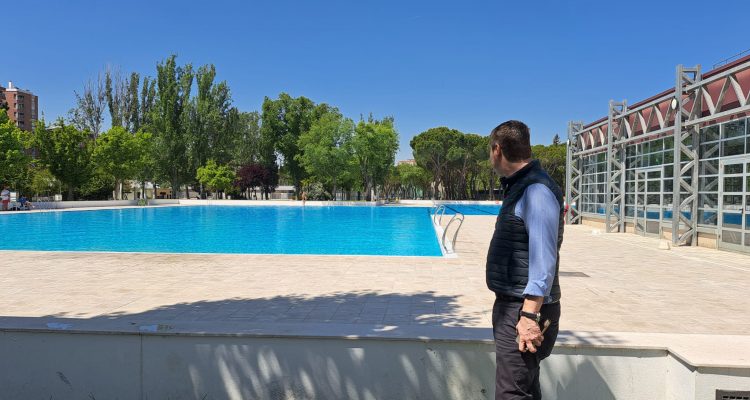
x=534, y=288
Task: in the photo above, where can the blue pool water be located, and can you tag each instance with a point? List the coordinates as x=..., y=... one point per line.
x=472, y=209
x=229, y=229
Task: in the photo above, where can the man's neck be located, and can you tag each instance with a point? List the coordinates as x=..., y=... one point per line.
x=512, y=168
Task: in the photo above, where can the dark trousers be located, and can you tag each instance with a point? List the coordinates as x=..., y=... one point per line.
x=517, y=374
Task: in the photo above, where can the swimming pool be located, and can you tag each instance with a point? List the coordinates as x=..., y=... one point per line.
x=472, y=209
x=345, y=230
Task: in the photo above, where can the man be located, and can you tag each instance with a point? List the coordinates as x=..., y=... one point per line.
x=522, y=264
x=5, y=196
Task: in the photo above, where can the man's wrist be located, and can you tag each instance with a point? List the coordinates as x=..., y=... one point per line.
x=534, y=316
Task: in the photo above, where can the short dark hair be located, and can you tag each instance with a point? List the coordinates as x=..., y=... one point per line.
x=514, y=139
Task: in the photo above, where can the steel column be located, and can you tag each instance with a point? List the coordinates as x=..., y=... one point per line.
x=614, y=190
x=573, y=173
x=685, y=78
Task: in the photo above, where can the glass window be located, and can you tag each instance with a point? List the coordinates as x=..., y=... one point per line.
x=668, y=185
x=707, y=217
x=657, y=145
x=656, y=159
x=731, y=236
x=733, y=147
x=669, y=143
x=708, y=200
x=733, y=184
x=709, y=167
x=733, y=169
x=733, y=129
x=668, y=169
x=709, y=150
x=710, y=133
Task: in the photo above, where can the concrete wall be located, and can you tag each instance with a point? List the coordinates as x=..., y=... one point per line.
x=65, y=365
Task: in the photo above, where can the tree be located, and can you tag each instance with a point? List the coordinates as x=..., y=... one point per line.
x=375, y=144
x=284, y=121
x=414, y=180
x=217, y=178
x=556, y=140
x=326, y=149
x=552, y=158
x=250, y=177
x=430, y=149
x=210, y=135
x=245, y=147
x=14, y=158
x=116, y=154
x=66, y=152
x=170, y=120
x=144, y=168
x=43, y=182
x=88, y=114
x=146, y=105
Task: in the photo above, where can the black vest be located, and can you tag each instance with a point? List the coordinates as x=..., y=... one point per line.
x=508, y=255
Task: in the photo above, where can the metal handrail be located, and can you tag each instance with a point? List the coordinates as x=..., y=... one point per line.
x=438, y=209
x=457, y=217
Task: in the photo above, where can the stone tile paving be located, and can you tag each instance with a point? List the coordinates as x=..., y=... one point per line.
x=632, y=286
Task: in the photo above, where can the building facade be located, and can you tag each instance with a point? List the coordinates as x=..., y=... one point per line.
x=23, y=106
x=676, y=165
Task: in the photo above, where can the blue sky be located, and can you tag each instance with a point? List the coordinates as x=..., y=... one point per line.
x=468, y=65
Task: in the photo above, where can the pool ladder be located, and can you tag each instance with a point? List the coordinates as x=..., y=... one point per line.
x=437, y=218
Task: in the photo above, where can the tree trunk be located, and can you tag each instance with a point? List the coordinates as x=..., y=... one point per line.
x=70, y=192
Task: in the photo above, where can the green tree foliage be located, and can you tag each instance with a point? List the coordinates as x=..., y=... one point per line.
x=14, y=158
x=217, y=178
x=552, y=158
x=246, y=139
x=457, y=162
x=170, y=123
x=430, y=149
x=117, y=154
x=375, y=144
x=326, y=151
x=144, y=166
x=414, y=181
x=66, y=152
x=284, y=121
x=210, y=108
x=43, y=183
x=146, y=104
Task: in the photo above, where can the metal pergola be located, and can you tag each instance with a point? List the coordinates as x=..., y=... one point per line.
x=695, y=100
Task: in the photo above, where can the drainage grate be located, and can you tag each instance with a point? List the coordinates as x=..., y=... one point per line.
x=732, y=395
x=573, y=274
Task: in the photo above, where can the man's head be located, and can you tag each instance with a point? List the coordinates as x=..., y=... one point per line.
x=510, y=147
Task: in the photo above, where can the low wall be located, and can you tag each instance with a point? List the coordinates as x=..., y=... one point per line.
x=257, y=364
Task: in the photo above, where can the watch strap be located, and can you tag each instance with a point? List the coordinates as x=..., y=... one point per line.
x=535, y=316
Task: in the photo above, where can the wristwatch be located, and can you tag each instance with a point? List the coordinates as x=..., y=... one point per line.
x=534, y=316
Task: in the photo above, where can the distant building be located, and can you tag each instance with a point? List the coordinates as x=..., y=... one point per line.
x=407, y=162
x=23, y=106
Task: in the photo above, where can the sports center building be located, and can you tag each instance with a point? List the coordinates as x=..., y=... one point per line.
x=676, y=165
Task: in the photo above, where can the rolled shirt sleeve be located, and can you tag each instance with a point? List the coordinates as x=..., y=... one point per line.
x=540, y=211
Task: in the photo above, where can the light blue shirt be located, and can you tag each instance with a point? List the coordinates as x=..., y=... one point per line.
x=540, y=211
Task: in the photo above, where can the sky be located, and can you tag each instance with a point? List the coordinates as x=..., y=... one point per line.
x=468, y=65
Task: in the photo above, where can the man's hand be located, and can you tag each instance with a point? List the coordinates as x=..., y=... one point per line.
x=529, y=335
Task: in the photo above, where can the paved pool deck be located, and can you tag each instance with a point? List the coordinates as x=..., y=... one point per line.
x=614, y=286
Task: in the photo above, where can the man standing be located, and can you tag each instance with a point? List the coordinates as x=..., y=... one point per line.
x=5, y=196
x=522, y=264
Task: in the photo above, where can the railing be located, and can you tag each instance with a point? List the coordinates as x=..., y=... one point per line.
x=438, y=209
x=457, y=217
